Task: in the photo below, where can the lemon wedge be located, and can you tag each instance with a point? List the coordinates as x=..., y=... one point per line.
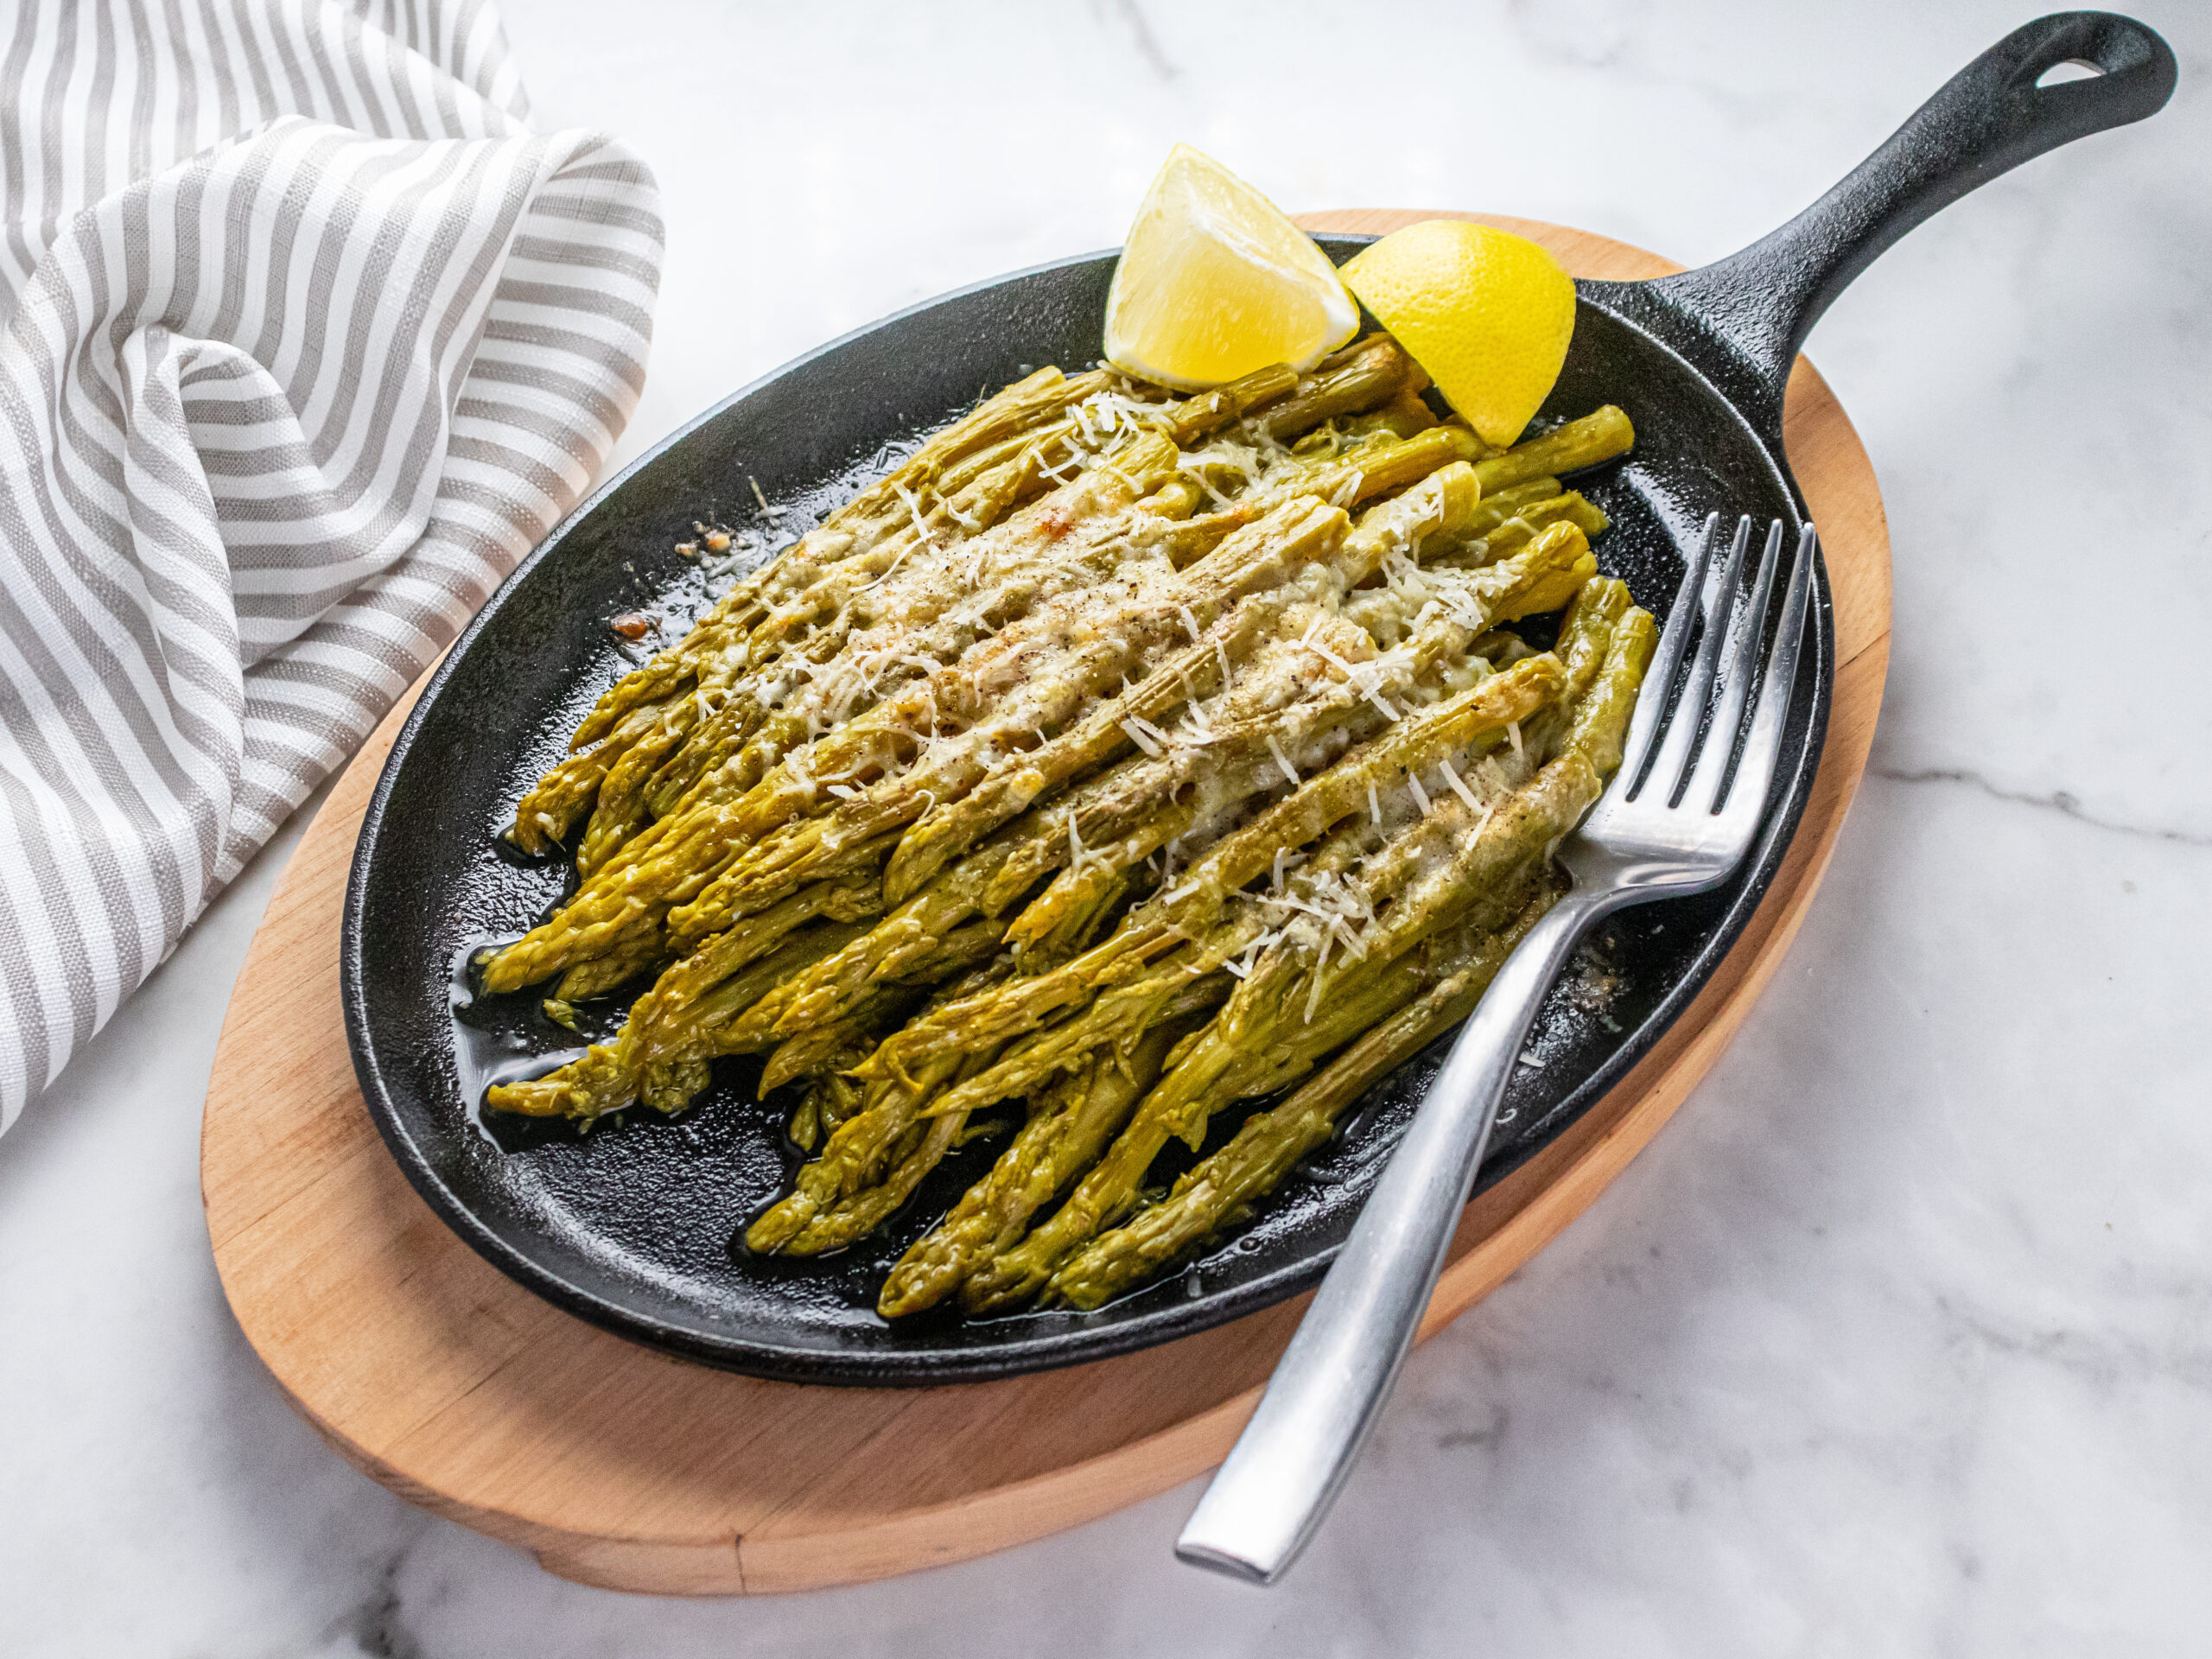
x=1488, y=314
x=1216, y=282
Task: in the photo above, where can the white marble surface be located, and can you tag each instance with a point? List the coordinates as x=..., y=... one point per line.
x=1899, y=1340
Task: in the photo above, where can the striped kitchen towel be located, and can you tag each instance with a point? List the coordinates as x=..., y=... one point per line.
x=305, y=339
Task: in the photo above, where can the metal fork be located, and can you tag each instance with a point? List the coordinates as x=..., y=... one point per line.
x=1679, y=825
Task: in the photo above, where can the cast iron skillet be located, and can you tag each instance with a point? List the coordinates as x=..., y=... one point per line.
x=631, y=1226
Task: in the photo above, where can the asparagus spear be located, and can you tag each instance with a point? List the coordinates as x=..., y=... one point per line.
x=825, y=991
x=1568, y=447
x=1513, y=527
x=608, y=1075
x=619, y=811
x=1367, y=372
x=1601, y=717
x=886, y=1005
x=550, y=809
x=924, y=1143
x=1403, y=416
x=1218, y=1193
x=603, y=974
x=1070, y=1122
x=831, y=1098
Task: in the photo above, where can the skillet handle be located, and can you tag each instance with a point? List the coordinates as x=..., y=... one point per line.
x=1756, y=306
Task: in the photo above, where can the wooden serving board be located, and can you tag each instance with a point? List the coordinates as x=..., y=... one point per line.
x=430, y=1370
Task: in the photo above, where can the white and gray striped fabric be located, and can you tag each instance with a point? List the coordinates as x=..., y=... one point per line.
x=305, y=339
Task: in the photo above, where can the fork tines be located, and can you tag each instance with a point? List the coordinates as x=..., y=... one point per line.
x=1691, y=766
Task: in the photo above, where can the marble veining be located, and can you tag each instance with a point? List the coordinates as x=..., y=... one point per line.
x=2062, y=801
x=1897, y=1341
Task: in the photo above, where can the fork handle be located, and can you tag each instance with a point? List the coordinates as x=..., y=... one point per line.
x=1331, y=1382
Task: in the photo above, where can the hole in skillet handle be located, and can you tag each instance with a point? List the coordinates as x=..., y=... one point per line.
x=2071, y=69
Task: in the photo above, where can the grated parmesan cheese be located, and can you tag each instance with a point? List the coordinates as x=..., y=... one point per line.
x=1138, y=734
x=1362, y=675
x=1313, y=996
x=1071, y=468
x=1459, y=785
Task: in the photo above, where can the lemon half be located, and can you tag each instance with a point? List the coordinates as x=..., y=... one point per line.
x=1216, y=282
x=1487, y=313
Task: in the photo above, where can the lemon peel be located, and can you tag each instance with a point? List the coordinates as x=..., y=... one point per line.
x=1486, y=313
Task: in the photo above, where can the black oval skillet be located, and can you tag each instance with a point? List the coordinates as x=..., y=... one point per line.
x=630, y=1226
